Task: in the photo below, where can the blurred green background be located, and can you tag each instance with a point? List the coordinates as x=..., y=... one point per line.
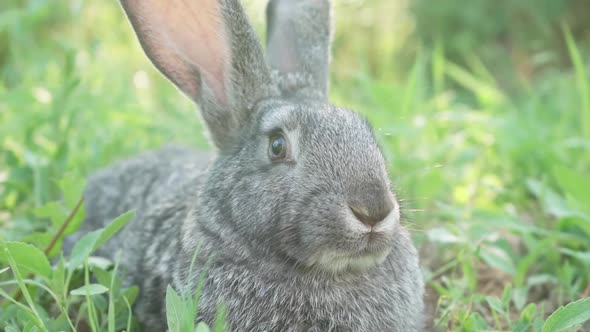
x=482, y=106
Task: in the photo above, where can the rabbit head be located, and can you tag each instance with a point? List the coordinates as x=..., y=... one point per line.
x=295, y=178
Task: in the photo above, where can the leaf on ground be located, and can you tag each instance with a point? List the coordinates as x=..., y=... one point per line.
x=551, y=201
x=174, y=312
x=83, y=249
x=571, y=315
x=442, y=235
x=495, y=304
x=115, y=226
x=72, y=188
x=76, y=221
x=131, y=294
x=93, y=240
x=99, y=262
x=90, y=289
x=58, y=214
x=52, y=210
x=202, y=327
x=498, y=258
x=582, y=256
x=576, y=186
x=28, y=258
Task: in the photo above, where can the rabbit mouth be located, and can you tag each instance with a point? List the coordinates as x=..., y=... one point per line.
x=373, y=254
x=361, y=262
x=368, y=248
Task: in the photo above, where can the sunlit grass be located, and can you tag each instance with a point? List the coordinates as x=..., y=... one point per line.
x=495, y=185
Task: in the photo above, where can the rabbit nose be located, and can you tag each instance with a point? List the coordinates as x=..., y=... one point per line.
x=371, y=217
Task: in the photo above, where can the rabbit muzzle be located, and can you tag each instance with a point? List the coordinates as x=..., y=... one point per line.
x=371, y=248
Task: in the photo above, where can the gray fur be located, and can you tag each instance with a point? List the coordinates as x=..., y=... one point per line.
x=298, y=45
x=287, y=252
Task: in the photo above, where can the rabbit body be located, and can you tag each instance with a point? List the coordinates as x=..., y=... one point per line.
x=260, y=294
x=293, y=219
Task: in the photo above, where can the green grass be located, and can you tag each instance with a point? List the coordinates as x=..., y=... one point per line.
x=495, y=183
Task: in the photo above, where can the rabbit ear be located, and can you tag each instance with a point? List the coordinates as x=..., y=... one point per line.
x=208, y=49
x=298, y=45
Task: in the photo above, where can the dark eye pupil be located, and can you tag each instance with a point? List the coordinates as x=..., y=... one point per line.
x=277, y=146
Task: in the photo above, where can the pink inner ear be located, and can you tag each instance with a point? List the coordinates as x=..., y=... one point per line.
x=195, y=32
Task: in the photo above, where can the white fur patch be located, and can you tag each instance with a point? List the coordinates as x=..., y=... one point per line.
x=338, y=261
x=335, y=262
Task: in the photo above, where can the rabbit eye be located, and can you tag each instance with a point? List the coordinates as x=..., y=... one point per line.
x=278, y=147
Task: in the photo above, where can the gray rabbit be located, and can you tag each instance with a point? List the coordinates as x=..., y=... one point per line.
x=294, y=214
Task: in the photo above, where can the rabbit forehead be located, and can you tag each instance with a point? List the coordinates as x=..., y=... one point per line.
x=315, y=119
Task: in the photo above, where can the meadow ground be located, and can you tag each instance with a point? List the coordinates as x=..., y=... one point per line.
x=489, y=152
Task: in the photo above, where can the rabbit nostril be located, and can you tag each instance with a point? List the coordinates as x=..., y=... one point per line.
x=367, y=218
